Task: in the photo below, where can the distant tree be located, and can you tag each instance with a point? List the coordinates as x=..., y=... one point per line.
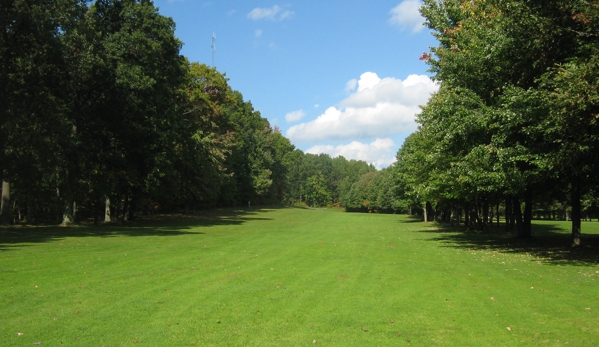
x=316, y=191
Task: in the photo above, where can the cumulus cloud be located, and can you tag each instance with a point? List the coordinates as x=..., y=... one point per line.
x=407, y=16
x=272, y=13
x=295, y=116
x=380, y=153
x=379, y=108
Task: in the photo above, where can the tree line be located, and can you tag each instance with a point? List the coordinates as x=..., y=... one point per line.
x=102, y=118
x=515, y=121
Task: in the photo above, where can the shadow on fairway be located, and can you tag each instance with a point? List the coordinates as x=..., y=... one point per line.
x=157, y=225
x=412, y=219
x=549, y=242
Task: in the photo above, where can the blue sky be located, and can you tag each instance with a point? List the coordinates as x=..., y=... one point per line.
x=337, y=77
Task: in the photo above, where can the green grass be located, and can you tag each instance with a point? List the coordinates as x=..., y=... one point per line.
x=289, y=277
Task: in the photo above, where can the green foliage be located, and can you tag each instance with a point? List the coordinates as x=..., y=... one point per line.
x=316, y=192
x=98, y=103
x=516, y=109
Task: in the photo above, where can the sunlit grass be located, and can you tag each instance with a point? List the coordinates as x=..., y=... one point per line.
x=292, y=277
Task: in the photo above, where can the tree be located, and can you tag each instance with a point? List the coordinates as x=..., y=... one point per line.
x=509, y=54
x=316, y=191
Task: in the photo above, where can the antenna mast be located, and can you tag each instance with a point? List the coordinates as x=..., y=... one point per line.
x=213, y=47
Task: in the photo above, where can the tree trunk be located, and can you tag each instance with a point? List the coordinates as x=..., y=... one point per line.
x=116, y=208
x=107, y=211
x=576, y=212
x=126, y=208
x=517, y=215
x=68, y=214
x=29, y=209
x=485, y=213
x=96, y=212
x=425, y=211
x=475, y=217
x=527, y=218
x=133, y=207
x=508, y=213
x=5, y=205
x=497, y=212
x=430, y=212
x=453, y=216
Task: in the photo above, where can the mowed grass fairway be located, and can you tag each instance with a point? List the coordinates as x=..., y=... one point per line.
x=295, y=277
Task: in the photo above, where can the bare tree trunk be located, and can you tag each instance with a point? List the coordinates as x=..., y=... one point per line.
x=517, y=216
x=126, y=208
x=133, y=207
x=5, y=205
x=29, y=209
x=97, y=208
x=576, y=212
x=485, y=213
x=453, y=215
x=68, y=215
x=497, y=212
x=107, y=211
x=527, y=218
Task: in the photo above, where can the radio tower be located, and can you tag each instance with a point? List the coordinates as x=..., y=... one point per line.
x=213, y=47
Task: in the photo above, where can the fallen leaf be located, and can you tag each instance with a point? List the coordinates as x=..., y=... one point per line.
x=365, y=330
x=37, y=343
x=392, y=321
x=76, y=312
x=509, y=329
x=588, y=308
x=492, y=299
x=314, y=341
x=20, y=334
x=134, y=341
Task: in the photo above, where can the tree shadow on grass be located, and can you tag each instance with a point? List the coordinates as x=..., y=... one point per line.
x=157, y=225
x=549, y=243
x=412, y=219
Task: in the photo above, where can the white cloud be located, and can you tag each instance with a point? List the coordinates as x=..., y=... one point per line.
x=379, y=108
x=380, y=153
x=272, y=13
x=407, y=16
x=258, y=32
x=351, y=85
x=295, y=116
